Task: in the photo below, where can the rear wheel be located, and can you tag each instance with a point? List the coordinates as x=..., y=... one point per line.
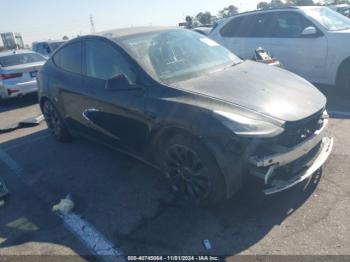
x=192, y=171
x=2, y=101
x=55, y=123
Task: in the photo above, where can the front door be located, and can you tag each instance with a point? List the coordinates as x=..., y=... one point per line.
x=303, y=55
x=66, y=81
x=114, y=114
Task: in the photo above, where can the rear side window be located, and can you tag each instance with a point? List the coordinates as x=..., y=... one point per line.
x=69, y=58
x=255, y=25
x=261, y=25
x=289, y=25
x=233, y=28
x=19, y=59
x=105, y=62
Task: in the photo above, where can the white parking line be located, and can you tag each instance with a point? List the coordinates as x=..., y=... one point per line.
x=82, y=229
x=94, y=240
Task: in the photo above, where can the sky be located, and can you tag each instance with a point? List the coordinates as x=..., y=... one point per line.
x=40, y=20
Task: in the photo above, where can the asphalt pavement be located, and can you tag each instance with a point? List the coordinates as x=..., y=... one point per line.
x=128, y=204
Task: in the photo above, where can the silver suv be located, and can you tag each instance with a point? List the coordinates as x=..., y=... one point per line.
x=312, y=42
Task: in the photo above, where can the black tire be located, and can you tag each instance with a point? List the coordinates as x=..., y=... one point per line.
x=343, y=81
x=3, y=102
x=191, y=171
x=55, y=123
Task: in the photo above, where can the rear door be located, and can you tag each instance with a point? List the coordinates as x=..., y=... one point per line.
x=116, y=114
x=229, y=36
x=303, y=55
x=244, y=34
x=66, y=82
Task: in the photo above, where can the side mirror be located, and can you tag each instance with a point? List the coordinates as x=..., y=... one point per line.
x=117, y=82
x=309, y=31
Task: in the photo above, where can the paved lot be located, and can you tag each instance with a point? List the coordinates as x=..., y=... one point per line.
x=127, y=201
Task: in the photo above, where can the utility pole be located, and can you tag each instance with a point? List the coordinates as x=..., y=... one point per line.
x=92, y=24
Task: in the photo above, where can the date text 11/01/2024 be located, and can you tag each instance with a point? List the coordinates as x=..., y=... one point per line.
x=173, y=258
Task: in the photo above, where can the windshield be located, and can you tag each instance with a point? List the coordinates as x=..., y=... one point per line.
x=178, y=55
x=330, y=19
x=19, y=59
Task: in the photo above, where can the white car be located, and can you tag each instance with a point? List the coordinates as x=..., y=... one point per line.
x=313, y=42
x=18, y=71
x=46, y=48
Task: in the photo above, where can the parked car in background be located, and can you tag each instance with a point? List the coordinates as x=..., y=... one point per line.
x=18, y=70
x=183, y=102
x=343, y=9
x=312, y=42
x=46, y=48
x=204, y=30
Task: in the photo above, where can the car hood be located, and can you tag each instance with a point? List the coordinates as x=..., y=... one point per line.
x=265, y=89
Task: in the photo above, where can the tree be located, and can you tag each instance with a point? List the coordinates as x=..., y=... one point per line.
x=300, y=2
x=263, y=5
x=228, y=11
x=189, y=21
x=276, y=4
x=65, y=38
x=204, y=18
x=336, y=2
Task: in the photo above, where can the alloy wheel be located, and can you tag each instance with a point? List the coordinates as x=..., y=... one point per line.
x=186, y=172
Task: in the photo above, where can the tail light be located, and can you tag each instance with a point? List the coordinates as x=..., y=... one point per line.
x=12, y=91
x=9, y=76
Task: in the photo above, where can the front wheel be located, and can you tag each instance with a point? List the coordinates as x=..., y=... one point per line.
x=55, y=123
x=192, y=171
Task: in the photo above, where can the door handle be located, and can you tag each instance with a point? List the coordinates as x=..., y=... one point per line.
x=86, y=112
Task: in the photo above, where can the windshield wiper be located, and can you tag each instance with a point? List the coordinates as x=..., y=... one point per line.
x=232, y=65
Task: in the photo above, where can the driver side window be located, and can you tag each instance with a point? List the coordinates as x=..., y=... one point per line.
x=289, y=25
x=105, y=62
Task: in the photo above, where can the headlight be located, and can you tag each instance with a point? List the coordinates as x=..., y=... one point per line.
x=247, y=127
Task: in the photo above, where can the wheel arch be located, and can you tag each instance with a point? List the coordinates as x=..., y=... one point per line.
x=345, y=63
x=161, y=134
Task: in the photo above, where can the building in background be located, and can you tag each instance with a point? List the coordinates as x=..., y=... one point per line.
x=12, y=40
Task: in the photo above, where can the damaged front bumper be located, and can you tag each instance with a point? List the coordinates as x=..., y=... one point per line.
x=301, y=162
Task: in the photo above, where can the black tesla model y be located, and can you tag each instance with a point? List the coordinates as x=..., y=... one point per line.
x=189, y=106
